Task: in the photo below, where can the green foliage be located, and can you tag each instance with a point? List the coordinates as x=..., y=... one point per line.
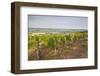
x=50, y=42
x=31, y=42
x=54, y=40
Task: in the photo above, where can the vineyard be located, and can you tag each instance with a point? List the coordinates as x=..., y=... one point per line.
x=55, y=45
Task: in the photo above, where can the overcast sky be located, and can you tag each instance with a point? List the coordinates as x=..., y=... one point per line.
x=62, y=22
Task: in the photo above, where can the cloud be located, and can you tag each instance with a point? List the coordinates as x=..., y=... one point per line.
x=64, y=22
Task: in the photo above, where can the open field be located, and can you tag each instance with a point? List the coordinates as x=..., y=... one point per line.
x=57, y=45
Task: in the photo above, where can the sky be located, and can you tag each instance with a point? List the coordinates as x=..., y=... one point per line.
x=60, y=22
